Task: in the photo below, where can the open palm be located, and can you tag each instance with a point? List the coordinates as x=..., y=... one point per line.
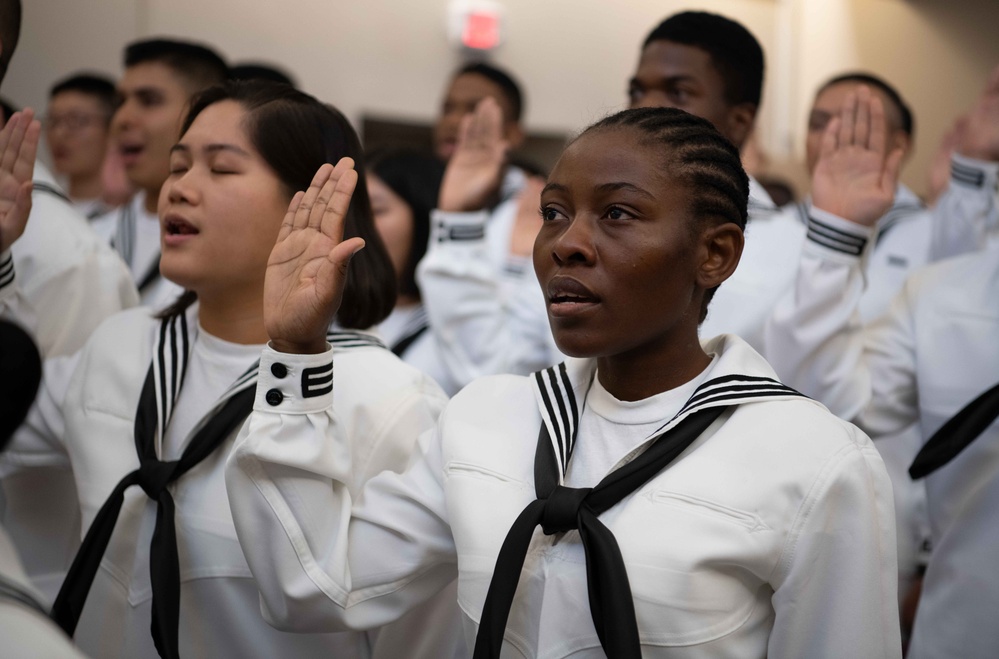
x=18, y=146
x=475, y=172
x=855, y=178
x=307, y=269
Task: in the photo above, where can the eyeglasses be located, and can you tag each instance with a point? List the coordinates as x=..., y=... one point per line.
x=73, y=122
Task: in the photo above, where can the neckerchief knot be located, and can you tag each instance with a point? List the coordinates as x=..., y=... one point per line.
x=562, y=508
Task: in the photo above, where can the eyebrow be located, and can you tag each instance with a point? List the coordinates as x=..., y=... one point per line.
x=603, y=187
x=211, y=148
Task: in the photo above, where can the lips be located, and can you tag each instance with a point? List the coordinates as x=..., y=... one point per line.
x=177, y=231
x=130, y=153
x=567, y=296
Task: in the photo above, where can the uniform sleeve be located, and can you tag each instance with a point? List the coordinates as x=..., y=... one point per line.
x=324, y=560
x=966, y=217
x=483, y=326
x=13, y=306
x=39, y=442
x=835, y=586
x=818, y=344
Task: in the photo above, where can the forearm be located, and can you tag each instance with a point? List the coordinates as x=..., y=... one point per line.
x=318, y=568
x=966, y=214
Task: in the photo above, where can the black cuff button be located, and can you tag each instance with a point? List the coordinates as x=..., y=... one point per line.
x=274, y=397
x=279, y=370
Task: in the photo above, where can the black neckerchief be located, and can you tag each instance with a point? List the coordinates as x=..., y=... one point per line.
x=559, y=508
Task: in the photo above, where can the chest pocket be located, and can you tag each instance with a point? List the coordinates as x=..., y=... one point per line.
x=694, y=566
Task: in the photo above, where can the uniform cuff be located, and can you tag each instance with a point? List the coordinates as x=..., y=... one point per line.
x=973, y=173
x=837, y=237
x=294, y=384
x=6, y=270
x=457, y=227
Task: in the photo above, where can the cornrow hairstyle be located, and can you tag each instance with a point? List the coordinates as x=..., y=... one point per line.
x=295, y=135
x=415, y=178
x=501, y=78
x=734, y=51
x=695, y=154
x=93, y=85
x=906, y=121
x=198, y=66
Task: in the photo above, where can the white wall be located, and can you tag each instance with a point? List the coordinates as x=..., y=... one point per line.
x=390, y=57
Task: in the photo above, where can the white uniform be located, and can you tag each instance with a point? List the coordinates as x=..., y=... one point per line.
x=71, y=281
x=766, y=270
x=931, y=355
x=25, y=629
x=407, y=333
x=966, y=217
x=486, y=309
x=135, y=234
x=753, y=543
x=220, y=611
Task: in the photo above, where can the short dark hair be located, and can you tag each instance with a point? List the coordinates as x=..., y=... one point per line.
x=91, y=84
x=416, y=178
x=259, y=71
x=200, y=66
x=511, y=90
x=734, y=51
x=295, y=135
x=699, y=157
x=10, y=32
x=906, y=121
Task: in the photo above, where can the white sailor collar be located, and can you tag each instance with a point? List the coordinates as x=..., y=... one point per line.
x=739, y=376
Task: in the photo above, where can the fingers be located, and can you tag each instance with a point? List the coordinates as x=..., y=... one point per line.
x=830, y=139
x=336, y=211
x=19, y=126
x=847, y=119
x=992, y=86
x=327, y=195
x=485, y=125
x=862, y=129
x=289, y=218
x=24, y=166
x=308, y=200
x=878, y=125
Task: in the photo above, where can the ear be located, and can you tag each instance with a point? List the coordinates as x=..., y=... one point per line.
x=720, y=249
x=899, y=140
x=739, y=123
x=514, y=134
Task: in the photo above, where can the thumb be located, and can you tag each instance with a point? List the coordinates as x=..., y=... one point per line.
x=341, y=255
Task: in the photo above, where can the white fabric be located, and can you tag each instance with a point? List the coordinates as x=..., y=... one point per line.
x=766, y=270
x=145, y=251
x=614, y=428
x=486, y=308
x=934, y=352
x=772, y=536
x=72, y=280
x=966, y=216
x=69, y=281
x=220, y=612
x=24, y=632
x=424, y=353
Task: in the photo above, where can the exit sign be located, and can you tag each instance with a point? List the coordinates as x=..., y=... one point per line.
x=475, y=24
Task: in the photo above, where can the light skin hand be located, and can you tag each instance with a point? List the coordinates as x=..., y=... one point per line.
x=855, y=177
x=980, y=139
x=528, y=222
x=307, y=269
x=18, y=146
x=475, y=172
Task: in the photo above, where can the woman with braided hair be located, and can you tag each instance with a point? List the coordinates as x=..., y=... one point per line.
x=690, y=504
x=147, y=412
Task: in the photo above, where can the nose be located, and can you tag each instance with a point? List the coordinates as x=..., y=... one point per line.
x=575, y=244
x=183, y=188
x=122, y=117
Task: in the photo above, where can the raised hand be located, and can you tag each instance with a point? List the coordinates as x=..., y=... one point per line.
x=528, y=222
x=18, y=146
x=475, y=172
x=855, y=178
x=307, y=269
x=980, y=138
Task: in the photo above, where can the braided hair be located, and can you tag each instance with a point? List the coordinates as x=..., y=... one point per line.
x=696, y=155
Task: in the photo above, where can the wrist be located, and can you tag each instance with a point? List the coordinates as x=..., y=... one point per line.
x=310, y=347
